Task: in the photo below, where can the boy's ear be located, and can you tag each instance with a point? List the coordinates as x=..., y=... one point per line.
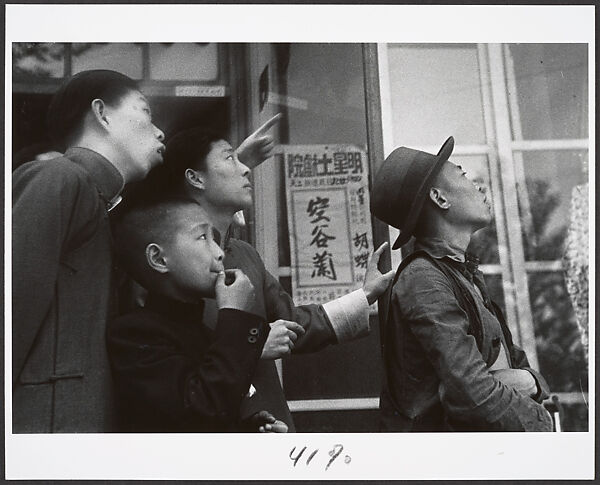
x=155, y=258
x=438, y=197
x=194, y=178
x=99, y=112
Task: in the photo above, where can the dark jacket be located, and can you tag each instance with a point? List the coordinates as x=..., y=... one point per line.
x=272, y=302
x=439, y=346
x=61, y=277
x=173, y=374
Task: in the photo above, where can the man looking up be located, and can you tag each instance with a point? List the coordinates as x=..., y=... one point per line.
x=61, y=261
x=450, y=362
x=203, y=166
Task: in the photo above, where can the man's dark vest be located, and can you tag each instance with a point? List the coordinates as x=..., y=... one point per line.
x=464, y=299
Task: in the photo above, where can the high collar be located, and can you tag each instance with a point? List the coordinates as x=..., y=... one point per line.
x=107, y=179
x=175, y=309
x=438, y=249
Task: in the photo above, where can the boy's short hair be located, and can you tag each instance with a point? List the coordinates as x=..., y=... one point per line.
x=72, y=101
x=188, y=149
x=139, y=223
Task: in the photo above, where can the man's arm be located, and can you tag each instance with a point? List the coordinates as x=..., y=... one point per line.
x=340, y=320
x=152, y=370
x=469, y=392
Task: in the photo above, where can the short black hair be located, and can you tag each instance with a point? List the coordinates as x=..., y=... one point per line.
x=188, y=149
x=72, y=101
x=138, y=223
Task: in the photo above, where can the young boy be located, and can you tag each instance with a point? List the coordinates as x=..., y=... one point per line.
x=172, y=373
x=61, y=258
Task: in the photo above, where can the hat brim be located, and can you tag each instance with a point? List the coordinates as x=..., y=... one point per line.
x=415, y=209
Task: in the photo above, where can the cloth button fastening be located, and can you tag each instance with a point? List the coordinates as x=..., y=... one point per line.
x=252, y=339
x=254, y=331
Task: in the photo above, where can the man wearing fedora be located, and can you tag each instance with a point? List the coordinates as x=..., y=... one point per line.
x=450, y=362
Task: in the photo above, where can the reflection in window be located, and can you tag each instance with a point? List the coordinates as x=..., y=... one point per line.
x=124, y=58
x=34, y=59
x=435, y=92
x=320, y=89
x=549, y=89
x=560, y=352
x=201, y=62
x=549, y=180
x=323, y=86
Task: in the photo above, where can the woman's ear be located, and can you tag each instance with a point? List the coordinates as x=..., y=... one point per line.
x=194, y=178
x=156, y=258
x=438, y=197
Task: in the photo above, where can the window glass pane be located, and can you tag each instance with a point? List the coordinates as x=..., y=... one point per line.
x=435, y=92
x=124, y=58
x=550, y=177
x=352, y=369
x=550, y=90
x=184, y=62
x=33, y=59
x=558, y=340
x=574, y=417
x=320, y=90
x=324, y=84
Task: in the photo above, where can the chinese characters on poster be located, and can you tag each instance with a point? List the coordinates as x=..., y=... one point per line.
x=327, y=196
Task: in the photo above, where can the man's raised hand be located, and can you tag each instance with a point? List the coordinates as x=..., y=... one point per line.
x=375, y=282
x=258, y=147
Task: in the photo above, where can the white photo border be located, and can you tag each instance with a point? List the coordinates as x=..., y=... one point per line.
x=266, y=456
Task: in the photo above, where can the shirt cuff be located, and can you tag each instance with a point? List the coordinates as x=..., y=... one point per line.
x=349, y=316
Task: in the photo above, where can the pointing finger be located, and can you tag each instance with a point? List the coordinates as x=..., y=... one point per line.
x=381, y=248
x=269, y=123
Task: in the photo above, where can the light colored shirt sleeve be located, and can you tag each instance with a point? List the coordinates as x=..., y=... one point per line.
x=349, y=316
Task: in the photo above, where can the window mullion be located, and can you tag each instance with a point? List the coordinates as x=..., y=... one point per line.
x=525, y=333
x=494, y=166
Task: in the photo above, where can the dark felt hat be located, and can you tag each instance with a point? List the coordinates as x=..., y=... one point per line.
x=402, y=185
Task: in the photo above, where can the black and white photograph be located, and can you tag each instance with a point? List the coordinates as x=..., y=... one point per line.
x=299, y=242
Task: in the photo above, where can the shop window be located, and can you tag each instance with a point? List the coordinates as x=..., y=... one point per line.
x=124, y=58
x=560, y=353
x=32, y=60
x=320, y=89
x=201, y=62
x=547, y=95
x=550, y=177
x=435, y=92
x=550, y=91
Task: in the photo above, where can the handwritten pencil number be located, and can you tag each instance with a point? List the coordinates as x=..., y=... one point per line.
x=333, y=455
